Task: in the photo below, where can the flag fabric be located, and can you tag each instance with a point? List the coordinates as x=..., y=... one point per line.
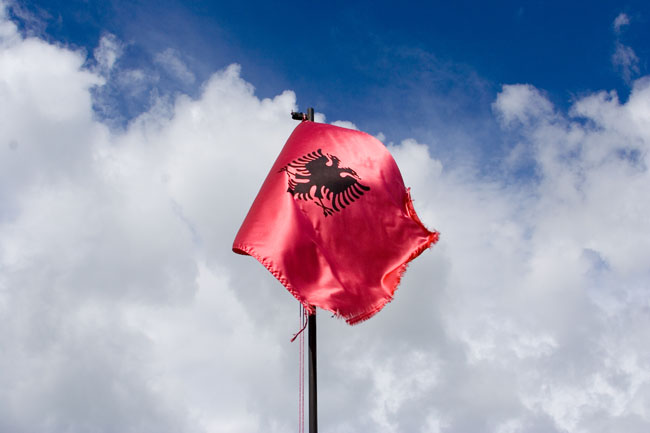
x=334, y=223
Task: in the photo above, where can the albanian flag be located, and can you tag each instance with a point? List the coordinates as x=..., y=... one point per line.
x=334, y=223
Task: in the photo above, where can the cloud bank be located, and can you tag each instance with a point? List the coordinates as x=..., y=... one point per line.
x=123, y=308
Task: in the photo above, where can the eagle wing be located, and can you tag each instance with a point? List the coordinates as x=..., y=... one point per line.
x=344, y=191
x=302, y=183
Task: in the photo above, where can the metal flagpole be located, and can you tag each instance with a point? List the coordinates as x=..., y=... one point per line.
x=313, y=403
x=311, y=332
x=311, y=341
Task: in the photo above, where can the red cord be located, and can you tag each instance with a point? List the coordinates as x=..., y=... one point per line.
x=303, y=325
x=301, y=374
x=301, y=368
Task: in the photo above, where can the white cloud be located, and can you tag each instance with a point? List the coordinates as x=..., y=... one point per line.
x=626, y=61
x=95, y=224
x=107, y=53
x=170, y=60
x=34, y=19
x=381, y=136
x=621, y=20
x=521, y=103
x=8, y=31
x=345, y=124
x=123, y=308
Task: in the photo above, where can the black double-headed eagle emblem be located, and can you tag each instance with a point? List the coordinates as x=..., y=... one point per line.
x=318, y=177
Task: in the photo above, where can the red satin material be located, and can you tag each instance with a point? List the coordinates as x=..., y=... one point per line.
x=349, y=262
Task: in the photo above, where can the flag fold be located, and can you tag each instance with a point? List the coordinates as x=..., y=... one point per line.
x=334, y=223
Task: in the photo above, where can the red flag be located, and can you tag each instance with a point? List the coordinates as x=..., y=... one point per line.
x=334, y=223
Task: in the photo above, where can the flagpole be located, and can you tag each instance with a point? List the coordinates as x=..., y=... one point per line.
x=313, y=404
x=311, y=339
x=311, y=331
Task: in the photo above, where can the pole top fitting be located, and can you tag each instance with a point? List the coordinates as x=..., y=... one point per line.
x=296, y=115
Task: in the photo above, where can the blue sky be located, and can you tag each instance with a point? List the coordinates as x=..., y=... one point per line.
x=134, y=137
x=383, y=66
